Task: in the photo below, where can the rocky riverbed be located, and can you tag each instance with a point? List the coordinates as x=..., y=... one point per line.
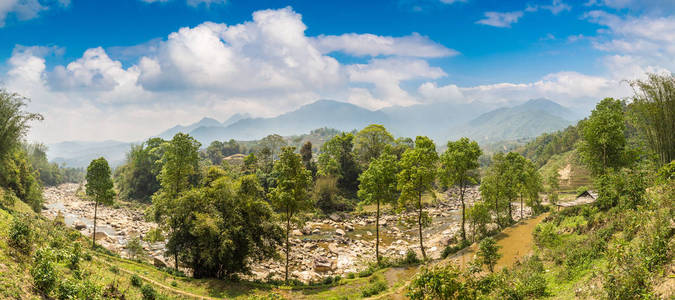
x=339, y=244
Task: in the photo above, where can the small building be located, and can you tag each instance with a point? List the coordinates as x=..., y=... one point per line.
x=586, y=197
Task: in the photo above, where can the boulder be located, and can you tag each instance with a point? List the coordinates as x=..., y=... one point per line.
x=296, y=232
x=349, y=227
x=323, y=265
x=335, y=217
x=100, y=235
x=158, y=262
x=340, y=232
x=316, y=231
x=79, y=225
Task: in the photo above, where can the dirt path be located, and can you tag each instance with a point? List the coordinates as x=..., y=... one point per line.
x=516, y=241
x=160, y=285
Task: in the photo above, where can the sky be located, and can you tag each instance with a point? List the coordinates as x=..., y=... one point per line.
x=128, y=69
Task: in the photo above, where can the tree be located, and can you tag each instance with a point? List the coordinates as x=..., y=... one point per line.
x=459, y=165
x=214, y=152
x=378, y=185
x=274, y=143
x=179, y=167
x=653, y=110
x=418, y=172
x=603, y=139
x=370, y=142
x=138, y=178
x=337, y=159
x=479, y=216
x=290, y=196
x=306, y=153
x=14, y=121
x=503, y=183
x=553, y=181
x=99, y=187
x=530, y=187
x=488, y=253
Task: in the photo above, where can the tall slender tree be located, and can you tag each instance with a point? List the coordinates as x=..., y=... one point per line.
x=99, y=187
x=418, y=172
x=378, y=185
x=290, y=196
x=459, y=166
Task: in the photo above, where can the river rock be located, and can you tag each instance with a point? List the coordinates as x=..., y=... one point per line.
x=335, y=217
x=340, y=232
x=158, y=262
x=323, y=265
x=79, y=225
x=100, y=235
x=296, y=232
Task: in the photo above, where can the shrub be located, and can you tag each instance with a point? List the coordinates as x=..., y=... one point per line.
x=376, y=286
x=154, y=235
x=148, y=292
x=136, y=280
x=351, y=275
x=174, y=284
x=367, y=272
x=114, y=270
x=21, y=236
x=546, y=235
x=488, y=253
x=67, y=289
x=7, y=199
x=449, y=250
x=134, y=248
x=411, y=258
x=75, y=256
x=43, y=271
x=438, y=283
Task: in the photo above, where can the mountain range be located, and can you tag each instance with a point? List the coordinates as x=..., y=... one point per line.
x=440, y=121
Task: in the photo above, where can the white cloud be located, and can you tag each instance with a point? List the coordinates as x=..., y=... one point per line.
x=452, y=1
x=556, y=7
x=500, y=19
x=413, y=45
x=635, y=44
x=26, y=9
x=567, y=88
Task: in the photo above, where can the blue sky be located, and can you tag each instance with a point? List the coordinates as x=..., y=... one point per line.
x=130, y=68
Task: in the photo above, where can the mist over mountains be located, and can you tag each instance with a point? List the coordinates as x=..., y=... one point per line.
x=440, y=121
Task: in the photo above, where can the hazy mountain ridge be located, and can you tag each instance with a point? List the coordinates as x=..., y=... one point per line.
x=440, y=121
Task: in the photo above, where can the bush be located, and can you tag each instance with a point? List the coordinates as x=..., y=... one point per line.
x=438, y=283
x=114, y=270
x=488, y=253
x=136, y=280
x=43, y=271
x=148, y=292
x=376, y=286
x=411, y=258
x=134, y=248
x=351, y=275
x=7, y=199
x=367, y=272
x=67, y=289
x=449, y=250
x=75, y=256
x=174, y=284
x=21, y=236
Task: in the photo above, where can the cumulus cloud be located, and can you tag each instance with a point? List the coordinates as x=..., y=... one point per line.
x=635, y=44
x=567, y=88
x=500, y=19
x=413, y=45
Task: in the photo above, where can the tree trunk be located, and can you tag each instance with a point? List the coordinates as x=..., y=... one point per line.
x=175, y=259
x=377, y=233
x=93, y=236
x=419, y=223
x=288, y=249
x=461, y=197
x=521, y=207
x=510, y=213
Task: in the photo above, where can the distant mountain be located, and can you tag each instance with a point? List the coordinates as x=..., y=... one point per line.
x=204, y=122
x=530, y=119
x=322, y=113
x=440, y=121
x=80, y=154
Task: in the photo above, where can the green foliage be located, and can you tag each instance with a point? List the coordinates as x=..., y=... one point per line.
x=135, y=248
x=449, y=250
x=18, y=176
x=218, y=150
x=603, y=140
x=99, y=183
x=67, y=289
x=136, y=280
x=378, y=185
x=488, y=253
x=370, y=142
x=337, y=159
x=524, y=281
x=418, y=172
x=75, y=256
x=625, y=188
x=154, y=235
x=326, y=195
x=14, y=121
x=148, y=292
x=21, y=235
x=459, y=166
x=137, y=179
x=438, y=283
x=479, y=216
x=306, y=153
x=50, y=174
x=547, y=145
x=377, y=285
x=653, y=112
x=44, y=271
